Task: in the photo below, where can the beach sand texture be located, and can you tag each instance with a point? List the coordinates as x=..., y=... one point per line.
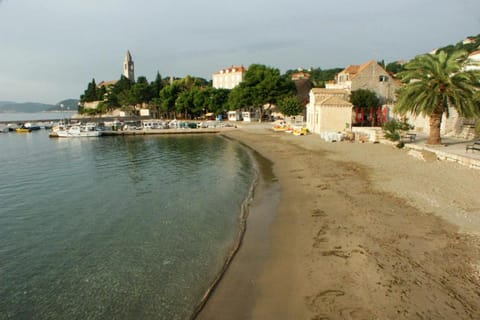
x=360, y=231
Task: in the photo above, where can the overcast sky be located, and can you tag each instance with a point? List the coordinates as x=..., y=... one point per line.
x=51, y=49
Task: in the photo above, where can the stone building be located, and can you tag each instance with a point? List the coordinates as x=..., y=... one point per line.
x=328, y=110
x=370, y=76
x=128, y=67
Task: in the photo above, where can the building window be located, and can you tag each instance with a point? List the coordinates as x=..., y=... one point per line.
x=383, y=78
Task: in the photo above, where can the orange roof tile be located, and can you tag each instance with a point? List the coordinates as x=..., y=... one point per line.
x=474, y=53
x=231, y=68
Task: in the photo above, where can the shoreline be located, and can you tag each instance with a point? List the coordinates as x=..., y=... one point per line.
x=247, y=204
x=361, y=231
x=239, y=278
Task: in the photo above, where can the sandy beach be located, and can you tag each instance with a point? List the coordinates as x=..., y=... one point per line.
x=353, y=231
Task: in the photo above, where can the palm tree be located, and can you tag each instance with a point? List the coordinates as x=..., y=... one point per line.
x=433, y=83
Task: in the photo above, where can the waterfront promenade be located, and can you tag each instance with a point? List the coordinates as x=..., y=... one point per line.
x=452, y=149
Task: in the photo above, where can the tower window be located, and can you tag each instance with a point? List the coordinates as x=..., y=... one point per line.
x=383, y=78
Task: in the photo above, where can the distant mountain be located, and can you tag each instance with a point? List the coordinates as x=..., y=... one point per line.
x=68, y=104
x=2, y=103
x=30, y=107
x=25, y=107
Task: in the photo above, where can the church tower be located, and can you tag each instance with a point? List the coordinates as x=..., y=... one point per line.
x=128, y=68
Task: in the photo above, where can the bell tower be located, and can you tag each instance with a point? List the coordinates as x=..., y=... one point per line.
x=128, y=67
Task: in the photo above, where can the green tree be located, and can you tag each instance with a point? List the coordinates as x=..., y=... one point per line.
x=290, y=106
x=140, y=92
x=394, y=67
x=90, y=93
x=364, y=98
x=217, y=100
x=184, y=103
x=168, y=96
x=368, y=100
x=101, y=93
x=157, y=85
x=435, y=82
x=262, y=86
x=317, y=75
x=120, y=88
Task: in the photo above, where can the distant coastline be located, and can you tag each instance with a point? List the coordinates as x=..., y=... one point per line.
x=35, y=116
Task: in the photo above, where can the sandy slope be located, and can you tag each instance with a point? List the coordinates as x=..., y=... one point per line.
x=362, y=231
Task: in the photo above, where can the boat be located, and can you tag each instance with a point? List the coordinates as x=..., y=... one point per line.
x=30, y=126
x=281, y=126
x=76, y=131
x=23, y=130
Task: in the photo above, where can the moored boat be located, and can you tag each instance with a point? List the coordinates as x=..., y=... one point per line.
x=75, y=132
x=23, y=130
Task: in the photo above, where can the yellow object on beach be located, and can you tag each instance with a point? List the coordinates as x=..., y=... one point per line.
x=280, y=128
x=300, y=131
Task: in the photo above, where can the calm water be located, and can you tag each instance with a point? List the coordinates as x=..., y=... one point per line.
x=20, y=116
x=115, y=227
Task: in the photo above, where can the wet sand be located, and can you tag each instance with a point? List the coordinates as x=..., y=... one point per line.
x=360, y=231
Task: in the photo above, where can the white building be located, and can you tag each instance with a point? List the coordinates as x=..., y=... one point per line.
x=234, y=115
x=228, y=78
x=328, y=111
x=473, y=61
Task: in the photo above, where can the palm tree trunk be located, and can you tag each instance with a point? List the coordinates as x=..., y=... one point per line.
x=435, y=124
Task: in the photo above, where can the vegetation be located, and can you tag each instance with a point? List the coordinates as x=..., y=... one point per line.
x=435, y=82
x=469, y=47
x=262, y=86
x=393, y=129
x=318, y=76
x=189, y=97
x=290, y=106
x=367, y=100
x=364, y=98
x=394, y=67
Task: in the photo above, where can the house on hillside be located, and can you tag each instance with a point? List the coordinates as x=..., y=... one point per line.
x=369, y=76
x=473, y=61
x=328, y=110
x=300, y=74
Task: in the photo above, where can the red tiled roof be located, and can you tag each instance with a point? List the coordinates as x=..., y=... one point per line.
x=107, y=83
x=474, y=53
x=232, y=69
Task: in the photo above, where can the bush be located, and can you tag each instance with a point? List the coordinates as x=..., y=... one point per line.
x=393, y=128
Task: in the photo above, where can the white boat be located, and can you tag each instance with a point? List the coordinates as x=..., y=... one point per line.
x=76, y=131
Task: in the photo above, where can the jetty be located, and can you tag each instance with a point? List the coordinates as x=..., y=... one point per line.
x=164, y=131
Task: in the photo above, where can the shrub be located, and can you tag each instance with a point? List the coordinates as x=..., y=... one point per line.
x=393, y=128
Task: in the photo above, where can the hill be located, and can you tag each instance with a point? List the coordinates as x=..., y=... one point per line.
x=31, y=107
x=470, y=44
x=68, y=104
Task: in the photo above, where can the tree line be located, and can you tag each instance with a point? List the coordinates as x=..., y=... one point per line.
x=191, y=97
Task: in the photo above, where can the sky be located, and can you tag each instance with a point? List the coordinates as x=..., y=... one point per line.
x=51, y=49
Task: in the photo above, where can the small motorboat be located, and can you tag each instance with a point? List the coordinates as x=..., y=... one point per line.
x=23, y=130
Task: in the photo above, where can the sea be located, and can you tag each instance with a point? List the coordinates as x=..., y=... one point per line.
x=133, y=227
x=35, y=116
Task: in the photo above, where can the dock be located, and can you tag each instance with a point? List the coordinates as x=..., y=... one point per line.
x=165, y=131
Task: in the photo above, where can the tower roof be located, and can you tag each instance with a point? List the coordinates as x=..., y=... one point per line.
x=128, y=56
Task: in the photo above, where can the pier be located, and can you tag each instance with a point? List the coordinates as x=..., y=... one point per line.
x=163, y=131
